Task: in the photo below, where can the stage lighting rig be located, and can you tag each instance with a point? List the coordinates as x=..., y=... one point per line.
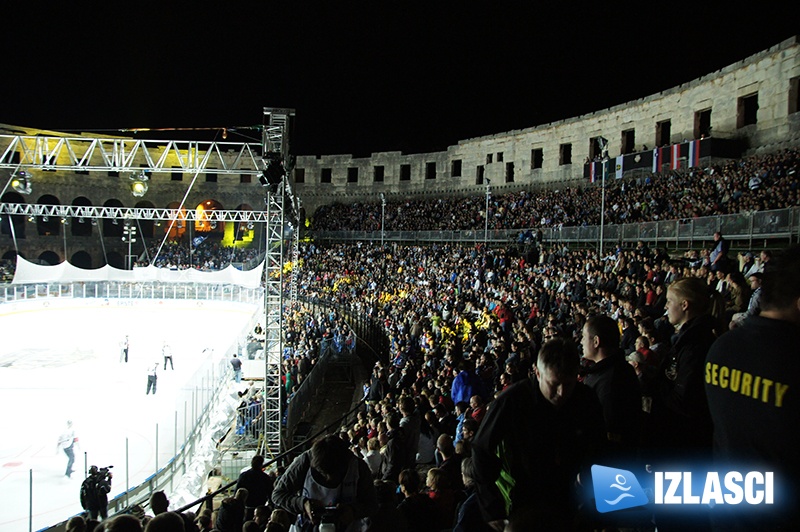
x=21, y=182
x=274, y=171
x=139, y=184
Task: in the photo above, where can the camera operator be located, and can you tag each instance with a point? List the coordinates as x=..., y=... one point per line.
x=94, y=492
x=327, y=484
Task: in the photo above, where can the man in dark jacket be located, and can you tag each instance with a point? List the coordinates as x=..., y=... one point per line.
x=258, y=485
x=614, y=381
x=719, y=253
x=378, y=385
x=629, y=335
x=751, y=379
x=94, y=492
x=451, y=461
x=397, y=454
x=535, y=439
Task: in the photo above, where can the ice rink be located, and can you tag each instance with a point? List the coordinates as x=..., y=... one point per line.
x=62, y=362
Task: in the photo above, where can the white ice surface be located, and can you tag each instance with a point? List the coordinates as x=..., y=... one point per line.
x=63, y=362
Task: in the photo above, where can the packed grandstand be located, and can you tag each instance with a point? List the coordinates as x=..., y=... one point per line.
x=476, y=334
x=756, y=183
x=449, y=309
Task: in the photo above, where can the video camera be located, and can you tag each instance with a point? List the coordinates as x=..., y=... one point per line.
x=104, y=472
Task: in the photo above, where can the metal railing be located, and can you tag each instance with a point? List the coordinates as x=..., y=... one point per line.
x=202, y=392
x=770, y=225
x=278, y=458
x=207, y=383
x=370, y=337
x=176, y=435
x=127, y=290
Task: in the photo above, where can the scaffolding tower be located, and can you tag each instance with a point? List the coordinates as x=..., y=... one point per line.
x=275, y=179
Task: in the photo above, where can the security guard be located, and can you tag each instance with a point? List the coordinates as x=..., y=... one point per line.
x=752, y=375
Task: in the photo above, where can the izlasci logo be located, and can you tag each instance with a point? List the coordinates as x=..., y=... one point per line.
x=616, y=489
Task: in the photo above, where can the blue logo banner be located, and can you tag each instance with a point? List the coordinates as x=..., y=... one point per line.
x=616, y=489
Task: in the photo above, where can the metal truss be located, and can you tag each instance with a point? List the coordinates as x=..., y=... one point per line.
x=273, y=327
x=276, y=142
x=276, y=130
x=131, y=213
x=123, y=154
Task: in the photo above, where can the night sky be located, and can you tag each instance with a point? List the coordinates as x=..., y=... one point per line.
x=364, y=78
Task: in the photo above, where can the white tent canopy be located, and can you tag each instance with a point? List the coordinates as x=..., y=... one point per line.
x=30, y=273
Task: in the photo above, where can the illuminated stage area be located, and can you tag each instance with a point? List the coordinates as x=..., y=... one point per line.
x=61, y=359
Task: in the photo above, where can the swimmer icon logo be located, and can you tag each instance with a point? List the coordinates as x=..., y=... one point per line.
x=616, y=489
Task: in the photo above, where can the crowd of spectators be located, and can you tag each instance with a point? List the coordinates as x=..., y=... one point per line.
x=756, y=183
x=7, y=268
x=307, y=337
x=232, y=515
x=206, y=256
x=466, y=323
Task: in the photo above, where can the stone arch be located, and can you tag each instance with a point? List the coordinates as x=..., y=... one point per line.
x=205, y=227
x=48, y=225
x=116, y=260
x=81, y=226
x=177, y=229
x=18, y=220
x=49, y=257
x=146, y=227
x=244, y=231
x=112, y=227
x=81, y=259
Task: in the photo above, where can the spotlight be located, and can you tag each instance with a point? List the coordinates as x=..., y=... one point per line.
x=94, y=221
x=64, y=221
x=250, y=226
x=21, y=182
x=80, y=220
x=31, y=218
x=213, y=224
x=45, y=219
x=139, y=184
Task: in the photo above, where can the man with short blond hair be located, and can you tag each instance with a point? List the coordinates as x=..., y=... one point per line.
x=535, y=439
x=613, y=380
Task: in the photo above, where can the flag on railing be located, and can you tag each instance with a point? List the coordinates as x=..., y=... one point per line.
x=694, y=154
x=196, y=241
x=676, y=157
x=618, y=167
x=657, y=162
